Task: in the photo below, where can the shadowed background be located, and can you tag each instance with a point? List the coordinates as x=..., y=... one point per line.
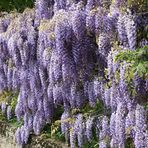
x=12, y=5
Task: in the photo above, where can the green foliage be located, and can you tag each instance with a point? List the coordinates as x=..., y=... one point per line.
x=6, y=96
x=138, y=61
x=18, y=5
x=2, y=117
x=129, y=143
x=54, y=130
x=87, y=110
x=58, y=112
x=9, y=98
x=138, y=5
x=93, y=144
x=15, y=123
x=14, y=101
x=146, y=106
x=46, y=133
x=57, y=134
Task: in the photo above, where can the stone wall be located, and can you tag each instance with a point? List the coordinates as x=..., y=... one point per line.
x=7, y=139
x=44, y=143
x=7, y=136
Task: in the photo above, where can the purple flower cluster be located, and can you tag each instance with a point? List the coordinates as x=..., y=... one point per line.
x=22, y=135
x=65, y=125
x=89, y=127
x=3, y=107
x=9, y=112
x=63, y=53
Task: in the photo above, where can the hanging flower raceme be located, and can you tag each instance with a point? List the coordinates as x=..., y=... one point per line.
x=9, y=112
x=131, y=30
x=89, y=128
x=79, y=24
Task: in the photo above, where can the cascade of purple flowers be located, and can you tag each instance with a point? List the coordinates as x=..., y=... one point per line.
x=53, y=55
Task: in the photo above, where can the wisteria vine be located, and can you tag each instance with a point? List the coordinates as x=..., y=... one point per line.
x=57, y=54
